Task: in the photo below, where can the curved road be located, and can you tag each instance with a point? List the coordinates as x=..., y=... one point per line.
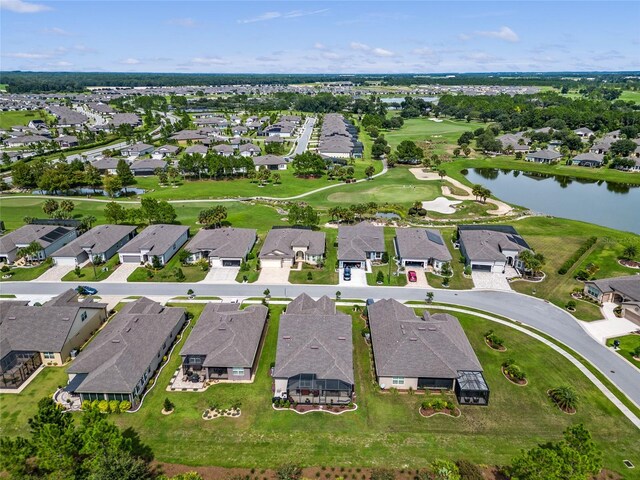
x=530, y=311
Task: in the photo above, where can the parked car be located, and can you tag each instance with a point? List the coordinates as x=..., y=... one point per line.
x=346, y=275
x=412, y=276
x=84, y=290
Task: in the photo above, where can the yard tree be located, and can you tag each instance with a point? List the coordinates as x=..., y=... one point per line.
x=124, y=174
x=276, y=178
x=50, y=206
x=623, y=148
x=115, y=213
x=573, y=143
x=303, y=215
x=92, y=177
x=442, y=173
x=369, y=171
x=308, y=164
x=172, y=174
x=630, y=252
x=154, y=211
x=67, y=206
x=212, y=217
x=6, y=159
x=465, y=138
x=111, y=185
x=408, y=152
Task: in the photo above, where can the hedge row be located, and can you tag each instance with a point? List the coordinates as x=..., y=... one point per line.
x=564, y=268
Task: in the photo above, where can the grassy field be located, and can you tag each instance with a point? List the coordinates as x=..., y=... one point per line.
x=87, y=273
x=23, y=274
x=558, y=239
x=386, y=430
x=192, y=273
x=628, y=344
x=326, y=275
x=9, y=119
x=630, y=96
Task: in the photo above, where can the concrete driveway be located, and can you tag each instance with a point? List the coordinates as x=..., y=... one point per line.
x=358, y=278
x=277, y=275
x=421, y=278
x=221, y=275
x=121, y=273
x=490, y=281
x=55, y=273
x=611, y=326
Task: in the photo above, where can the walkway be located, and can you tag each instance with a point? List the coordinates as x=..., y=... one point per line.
x=611, y=326
x=121, y=273
x=55, y=273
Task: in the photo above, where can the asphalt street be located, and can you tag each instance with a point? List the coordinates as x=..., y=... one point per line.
x=530, y=311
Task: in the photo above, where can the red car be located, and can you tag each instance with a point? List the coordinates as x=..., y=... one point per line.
x=412, y=276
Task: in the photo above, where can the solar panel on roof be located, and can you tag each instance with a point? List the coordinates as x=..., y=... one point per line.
x=53, y=235
x=434, y=237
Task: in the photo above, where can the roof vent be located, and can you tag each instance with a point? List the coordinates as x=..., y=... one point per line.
x=314, y=347
x=128, y=329
x=115, y=340
x=421, y=328
x=432, y=328
x=413, y=339
x=222, y=327
x=66, y=319
x=12, y=317
x=287, y=337
x=342, y=338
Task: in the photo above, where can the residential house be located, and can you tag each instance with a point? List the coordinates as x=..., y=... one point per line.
x=66, y=141
x=136, y=150
x=50, y=237
x=225, y=343
x=98, y=245
x=162, y=241
x=25, y=140
x=584, y=132
x=286, y=246
x=249, y=150
x=223, y=149
x=147, y=166
x=491, y=248
x=588, y=160
x=359, y=245
x=222, y=247
x=272, y=162
x=120, y=361
x=421, y=248
x=184, y=136
x=514, y=141
x=46, y=334
x=623, y=291
x=314, y=355
x=273, y=139
x=198, y=148
x=543, y=156
x=125, y=118
x=428, y=352
x=164, y=151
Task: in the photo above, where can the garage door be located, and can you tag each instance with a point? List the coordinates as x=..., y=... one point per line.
x=481, y=268
x=64, y=260
x=414, y=264
x=130, y=258
x=271, y=263
x=231, y=263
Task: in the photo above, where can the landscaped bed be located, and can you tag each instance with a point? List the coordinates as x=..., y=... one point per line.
x=303, y=408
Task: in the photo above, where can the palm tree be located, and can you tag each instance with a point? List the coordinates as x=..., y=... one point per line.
x=32, y=249
x=477, y=190
x=484, y=194
x=630, y=251
x=565, y=397
x=442, y=174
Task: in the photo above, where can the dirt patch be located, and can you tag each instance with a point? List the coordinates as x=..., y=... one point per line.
x=629, y=263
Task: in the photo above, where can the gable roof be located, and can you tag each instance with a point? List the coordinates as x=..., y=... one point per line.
x=314, y=341
x=155, y=238
x=116, y=359
x=223, y=242
x=544, y=154
x=629, y=285
x=227, y=336
x=421, y=244
x=42, y=329
x=405, y=345
x=45, y=235
x=354, y=241
x=486, y=243
x=280, y=242
x=147, y=164
x=269, y=160
x=99, y=239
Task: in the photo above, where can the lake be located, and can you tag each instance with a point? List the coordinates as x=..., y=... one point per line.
x=401, y=99
x=609, y=204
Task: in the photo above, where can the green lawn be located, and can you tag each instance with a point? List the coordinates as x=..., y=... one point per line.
x=386, y=430
x=87, y=273
x=14, y=118
x=630, y=96
x=21, y=274
x=388, y=270
x=327, y=275
x=192, y=273
x=628, y=344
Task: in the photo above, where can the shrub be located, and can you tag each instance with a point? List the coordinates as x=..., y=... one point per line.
x=515, y=372
x=167, y=405
x=379, y=277
x=444, y=470
x=86, y=405
x=571, y=304
x=288, y=472
x=125, y=405
x=493, y=339
x=565, y=397
x=95, y=403
x=469, y=470
x=564, y=268
x=114, y=406
x=636, y=351
x=382, y=474
x=508, y=362
x=5, y=268
x=103, y=406
x=385, y=257
x=309, y=276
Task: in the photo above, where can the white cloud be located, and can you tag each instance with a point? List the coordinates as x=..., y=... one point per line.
x=273, y=15
x=83, y=49
x=464, y=37
x=19, y=6
x=130, y=61
x=56, y=31
x=27, y=55
x=330, y=55
x=183, y=22
x=480, y=57
x=360, y=46
x=381, y=52
x=208, y=61
x=319, y=46
x=61, y=63
x=505, y=33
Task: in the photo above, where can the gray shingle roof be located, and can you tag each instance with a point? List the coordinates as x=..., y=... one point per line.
x=408, y=346
x=487, y=245
x=545, y=154
x=355, y=241
x=629, y=286
x=421, y=244
x=223, y=242
x=155, y=238
x=99, y=239
x=280, y=242
x=116, y=359
x=147, y=164
x=268, y=160
x=45, y=235
x=314, y=340
x=589, y=157
x=40, y=329
x=228, y=336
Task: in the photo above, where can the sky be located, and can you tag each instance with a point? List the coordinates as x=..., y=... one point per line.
x=319, y=37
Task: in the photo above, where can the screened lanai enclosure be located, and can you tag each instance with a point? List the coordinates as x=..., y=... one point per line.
x=307, y=389
x=471, y=388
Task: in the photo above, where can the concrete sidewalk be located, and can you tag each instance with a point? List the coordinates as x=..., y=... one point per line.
x=610, y=327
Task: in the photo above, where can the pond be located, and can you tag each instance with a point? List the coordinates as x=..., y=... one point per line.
x=388, y=216
x=93, y=191
x=613, y=205
x=401, y=99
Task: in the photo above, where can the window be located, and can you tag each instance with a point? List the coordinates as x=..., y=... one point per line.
x=195, y=360
x=49, y=355
x=83, y=316
x=238, y=372
x=397, y=380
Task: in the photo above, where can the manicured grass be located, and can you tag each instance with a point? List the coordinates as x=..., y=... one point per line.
x=192, y=273
x=390, y=271
x=251, y=272
x=326, y=275
x=386, y=430
x=628, y=344
x=23, y=274
x=87, y=272
x=630, y=96
x=15, y=118
x=558, y=239
x=457, y=281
